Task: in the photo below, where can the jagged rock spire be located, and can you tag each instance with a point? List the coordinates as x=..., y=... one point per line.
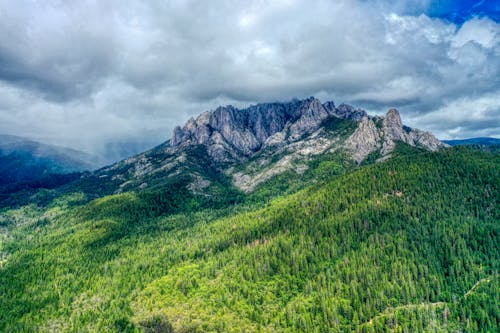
x=368, y=138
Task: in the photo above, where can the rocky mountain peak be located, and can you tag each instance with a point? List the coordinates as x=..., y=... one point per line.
x=232, y=134
x=369, y=138
x=243, y=132
x=393, y=131
x=393, y=119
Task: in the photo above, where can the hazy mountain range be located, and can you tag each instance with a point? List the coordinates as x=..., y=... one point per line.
x=22, y=159
x=474, y=141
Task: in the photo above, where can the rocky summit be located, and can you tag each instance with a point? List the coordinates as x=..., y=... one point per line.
x=251, y=145
x=231, y=134
x=381, y=134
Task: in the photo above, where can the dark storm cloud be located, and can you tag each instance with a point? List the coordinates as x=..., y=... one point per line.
x=94, y=74
x=60, y=51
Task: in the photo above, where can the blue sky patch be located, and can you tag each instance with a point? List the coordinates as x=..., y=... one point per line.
x=460, y=11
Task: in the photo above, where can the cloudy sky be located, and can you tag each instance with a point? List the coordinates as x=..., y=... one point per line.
x=115, y=77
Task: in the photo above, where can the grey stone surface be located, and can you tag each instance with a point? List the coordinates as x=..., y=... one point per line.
x=241, y=133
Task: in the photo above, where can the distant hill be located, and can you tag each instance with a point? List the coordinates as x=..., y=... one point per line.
x=23, y=160
x=474, y=141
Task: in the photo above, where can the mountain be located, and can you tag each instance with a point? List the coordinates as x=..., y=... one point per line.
x=248, y=147
x=23, y=160
x=474, y=141
x=282, y=217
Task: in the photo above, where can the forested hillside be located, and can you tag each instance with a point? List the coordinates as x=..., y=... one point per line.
x=410, y=244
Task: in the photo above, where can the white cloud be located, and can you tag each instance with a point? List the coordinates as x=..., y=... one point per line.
x=467, y=116
x=87, y=74
x=483, y=31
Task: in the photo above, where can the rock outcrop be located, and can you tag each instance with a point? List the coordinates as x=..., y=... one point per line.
x=381, y=134
x=345, y=111
x=364, y=141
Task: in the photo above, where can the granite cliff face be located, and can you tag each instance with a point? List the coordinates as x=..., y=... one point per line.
x=250, y=146
x=364, y=140
x=233, y=135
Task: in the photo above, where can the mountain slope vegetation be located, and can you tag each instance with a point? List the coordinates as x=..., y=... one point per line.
x=409, y=244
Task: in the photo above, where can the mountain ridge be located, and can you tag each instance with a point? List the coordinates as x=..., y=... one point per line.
x=231, y=134
x=250, y=129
